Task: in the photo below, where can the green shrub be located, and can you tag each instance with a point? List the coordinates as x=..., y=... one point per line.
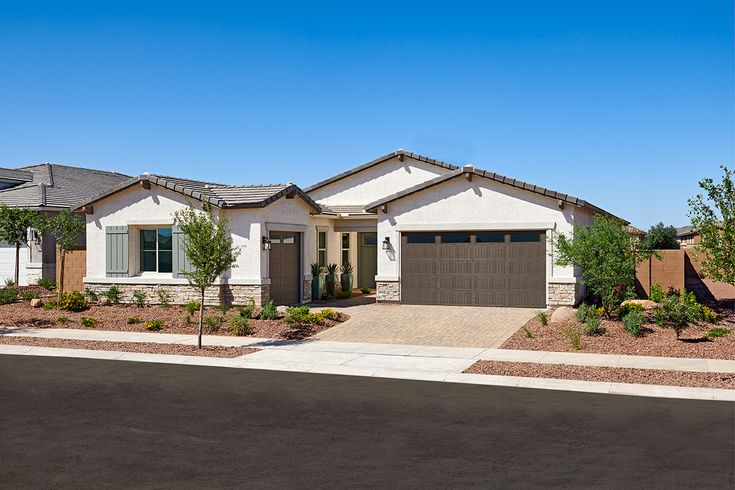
x=192, y=307
x=187, y=319
x=633, y=321
x=47, y=283
x=329, y=314
x=678, y=311
x=223, y=308
x=657, y=293
x=134, y=319
x=164, y=299
x=10, y=283
x=213, y=322
x=28, y=295
x=575, y=337
x=713, y=333
x=140, y=298
x=527, y=332
x=629, y=307
x=269, y=312
x=543, y=318
x=88, y=322
x=593, y=325
x=343, y=294
x=299, y=315
x=582, y=312
x=91, y=295
x=710, y=316
x=50, y=305
x=248, y=310
x=113, y=294
x=73, y=301
x=62, y=320
x=365, y=290
x=154, y=325
x=8, y=295
x=240, y=325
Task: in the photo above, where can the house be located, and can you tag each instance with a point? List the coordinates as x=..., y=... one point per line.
x=418, y=230
x=688, y=236
x=47, y=188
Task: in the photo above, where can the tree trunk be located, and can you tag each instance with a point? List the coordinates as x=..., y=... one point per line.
x=60, y=286
x=17, y=264
x=201, y=319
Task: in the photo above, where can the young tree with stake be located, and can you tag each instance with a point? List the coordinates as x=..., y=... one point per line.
x=67, y=228
x=209, y=248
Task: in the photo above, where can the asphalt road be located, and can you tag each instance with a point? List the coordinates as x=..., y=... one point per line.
x=78, y=423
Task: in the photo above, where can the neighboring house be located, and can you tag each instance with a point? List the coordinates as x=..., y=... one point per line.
x=417, y=229
x=688, y=236
x=47, y=188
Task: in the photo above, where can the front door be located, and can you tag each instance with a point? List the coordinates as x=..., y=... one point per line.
x=284, y=267
x=367, y=259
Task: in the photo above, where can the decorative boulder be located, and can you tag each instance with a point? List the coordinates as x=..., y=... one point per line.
x=281, y=310
x=562, y=314
x=103, y=301
x=36, y=303
x=645, y=303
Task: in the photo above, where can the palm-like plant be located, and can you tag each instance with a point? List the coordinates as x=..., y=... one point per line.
x=316, y=269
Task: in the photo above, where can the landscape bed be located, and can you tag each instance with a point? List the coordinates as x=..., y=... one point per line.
x=116, y=317
x=605, y=374
x=144, y=347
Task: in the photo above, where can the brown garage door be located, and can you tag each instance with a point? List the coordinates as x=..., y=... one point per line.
x=284, y=267
x=474, y=268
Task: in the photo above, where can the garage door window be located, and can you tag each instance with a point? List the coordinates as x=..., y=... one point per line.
x=490, y=237
x=421, y=238
x=525, y=236
x=455, y=238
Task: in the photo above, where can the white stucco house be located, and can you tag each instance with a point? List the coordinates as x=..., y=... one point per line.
x=418, y=230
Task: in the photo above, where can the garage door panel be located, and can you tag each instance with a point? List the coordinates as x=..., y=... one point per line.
x=463, y=267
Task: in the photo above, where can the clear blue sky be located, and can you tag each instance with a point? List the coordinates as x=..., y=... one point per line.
x=624, y=103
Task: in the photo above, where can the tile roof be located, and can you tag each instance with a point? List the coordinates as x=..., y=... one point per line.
x=469, y=169
x=57, y=186
x=354, y=210
x=219, y=195
x=378, y=160
x=16, y=175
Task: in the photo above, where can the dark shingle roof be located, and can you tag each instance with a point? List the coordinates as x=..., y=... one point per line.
x=219, y=195
x=685, y=230
x=469, y=169
x=378, y=160
x=15, y=175
x=57, y=186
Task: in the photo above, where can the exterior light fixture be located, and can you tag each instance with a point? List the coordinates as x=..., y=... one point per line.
x=386, y=243
x=266, y=243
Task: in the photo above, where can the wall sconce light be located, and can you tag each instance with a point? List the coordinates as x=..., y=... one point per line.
x=386, y=243
x=266, y=243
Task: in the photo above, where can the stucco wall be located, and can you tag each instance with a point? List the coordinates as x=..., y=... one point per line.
x=377, y=182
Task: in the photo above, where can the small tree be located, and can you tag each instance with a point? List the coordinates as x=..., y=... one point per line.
x=66, y=228
x=14, y=225
x=209, y=248
x=713, y=216
x=661, y=237
x=607, y=255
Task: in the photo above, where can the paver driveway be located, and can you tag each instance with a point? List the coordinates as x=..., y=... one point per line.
x=456, y=326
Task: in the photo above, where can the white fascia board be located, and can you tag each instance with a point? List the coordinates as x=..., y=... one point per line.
x=530, y=225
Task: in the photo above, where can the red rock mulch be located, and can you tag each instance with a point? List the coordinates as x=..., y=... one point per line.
x=116, y=317
x=654, y=341
x=607, y=374
x=146, y=347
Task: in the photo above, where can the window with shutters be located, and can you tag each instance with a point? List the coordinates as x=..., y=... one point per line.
x=156, y=250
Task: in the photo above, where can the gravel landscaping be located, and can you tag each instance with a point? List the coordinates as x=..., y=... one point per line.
x=606, y=374
x=654, y=340
x=174, y=318
x=146, y=347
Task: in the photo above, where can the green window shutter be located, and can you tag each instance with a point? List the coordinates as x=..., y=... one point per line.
x=180, y=260
x=116, y=251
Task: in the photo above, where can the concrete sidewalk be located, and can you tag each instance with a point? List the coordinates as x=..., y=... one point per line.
x=429, y=363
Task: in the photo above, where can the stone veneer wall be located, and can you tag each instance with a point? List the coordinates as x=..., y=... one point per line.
x=388, y=291
x=563, y=294
x=231, y=294
x=307, y=289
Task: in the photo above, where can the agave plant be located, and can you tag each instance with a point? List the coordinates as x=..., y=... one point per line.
x=316, y=269
x=332, y=269
x=347, y=268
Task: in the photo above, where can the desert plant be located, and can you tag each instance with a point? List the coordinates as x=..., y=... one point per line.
x=209, y=249
x=657, y=293
x=92, y=295
x=710, y=316
x=140, y=298
x=345, y=278
x=629, y=307
x=28, y=295
x=299, y=316
x=113, y=294
x=248, y=310
x=154, y=325
x=9, y=283
x=365, y=290
x=46, y=283
x=574, y=335
x=543, y=318
x=192, y=307
x=73, y=301
x=14, y=226
x=329, y=279
x=316, y=269
x=329, y=314
x=632, y=322
x=343, y=294
x=582, y=312
x=713, y=333
x=269, y=311
x=213, y=322
x=164, y=299
x=134, y=320
x=88, y=322
x=49, y=305
x=62, y=320
x=223, y=308
x=527, y=332
x=66, y=228
x=240, y=325
x=593, y=325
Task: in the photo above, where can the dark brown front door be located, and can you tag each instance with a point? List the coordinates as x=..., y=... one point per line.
x=474, y=268
x=284, y=267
